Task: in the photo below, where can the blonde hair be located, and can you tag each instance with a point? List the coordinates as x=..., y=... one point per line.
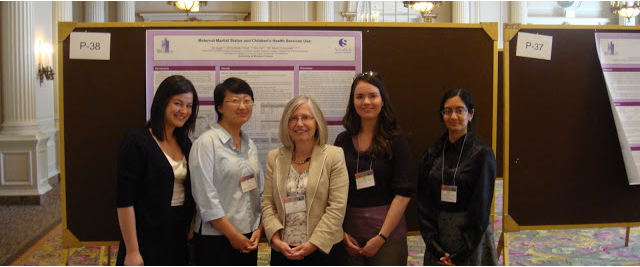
x=321, y=125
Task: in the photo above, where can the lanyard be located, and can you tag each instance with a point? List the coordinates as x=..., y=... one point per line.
x=358, y=161
x=457, y=164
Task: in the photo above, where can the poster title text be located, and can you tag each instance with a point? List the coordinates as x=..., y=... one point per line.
x=253, y=40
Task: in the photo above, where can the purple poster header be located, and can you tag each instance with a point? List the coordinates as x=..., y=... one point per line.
x=621, y=69
x=353, y=68
x=256, y=68
x=161, y=68
x=627, y=103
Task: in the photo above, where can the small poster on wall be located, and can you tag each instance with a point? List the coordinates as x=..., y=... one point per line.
x=620, y=60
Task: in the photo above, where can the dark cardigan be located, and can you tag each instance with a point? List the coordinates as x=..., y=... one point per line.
x=145, y=181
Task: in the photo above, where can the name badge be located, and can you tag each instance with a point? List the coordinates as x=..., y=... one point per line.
x=294, y=204
x=248, y=183
x=365, y=179
x=448, y=193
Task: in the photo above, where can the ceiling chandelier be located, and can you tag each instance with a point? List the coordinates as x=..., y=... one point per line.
x=422, y=6
x=188, y=6
x=626, y=9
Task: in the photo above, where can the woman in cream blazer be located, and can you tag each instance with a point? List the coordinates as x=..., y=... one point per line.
x=306, y=188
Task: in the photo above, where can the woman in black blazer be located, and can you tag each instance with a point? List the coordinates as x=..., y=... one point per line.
x=155, y=206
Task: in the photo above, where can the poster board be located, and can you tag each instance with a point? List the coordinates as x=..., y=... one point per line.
x=278, y=65
x=563, y=164
x=102, y=101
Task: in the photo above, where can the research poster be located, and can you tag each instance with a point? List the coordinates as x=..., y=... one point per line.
x=620, y=60
x=277, y=64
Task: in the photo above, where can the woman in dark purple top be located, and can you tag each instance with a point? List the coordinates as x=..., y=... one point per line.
x=377, y=157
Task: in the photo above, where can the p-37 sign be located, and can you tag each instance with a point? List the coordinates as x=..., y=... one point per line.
x=534, y=46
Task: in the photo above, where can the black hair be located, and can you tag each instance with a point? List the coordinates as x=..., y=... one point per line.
x=467, y=99
x=172, y=85
x=465, y=95
x=233, y=85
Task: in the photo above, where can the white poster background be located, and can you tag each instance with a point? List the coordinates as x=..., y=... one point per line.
x=619, y=51
x=204, y=81
x=324, y=86
x=631, y=158
x=619, y=56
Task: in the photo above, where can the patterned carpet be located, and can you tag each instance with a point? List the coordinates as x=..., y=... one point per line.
x=21, y=226
x=595, y=246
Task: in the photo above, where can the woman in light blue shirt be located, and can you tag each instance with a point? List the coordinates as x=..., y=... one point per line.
x=227, y=182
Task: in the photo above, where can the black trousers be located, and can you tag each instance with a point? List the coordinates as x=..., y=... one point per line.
x=168, y=247
x=317, y=258
x=216, y=250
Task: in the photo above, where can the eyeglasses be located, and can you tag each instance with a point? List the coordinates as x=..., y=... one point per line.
x=236, y=102
x=367, y=74
x=303, y=119
x=458, y=111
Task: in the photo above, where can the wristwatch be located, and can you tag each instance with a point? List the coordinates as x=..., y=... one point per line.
x=383, y=237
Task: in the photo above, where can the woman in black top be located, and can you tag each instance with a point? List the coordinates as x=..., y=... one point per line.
x=455, y=194
x=377, y=157
x=155, y=207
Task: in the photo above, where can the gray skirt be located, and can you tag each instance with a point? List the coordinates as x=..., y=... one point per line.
x=449, y=225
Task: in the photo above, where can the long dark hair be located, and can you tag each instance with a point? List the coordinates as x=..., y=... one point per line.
x=386, y=126
x=172, y=85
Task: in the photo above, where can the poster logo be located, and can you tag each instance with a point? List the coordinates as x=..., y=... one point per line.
x=343, y=48
x=610, y=49
x=164, y=46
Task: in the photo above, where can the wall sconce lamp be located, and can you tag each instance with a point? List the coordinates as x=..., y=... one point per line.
x=423, y=7
x=44, y=61
x=188, y=6
x=626, y=9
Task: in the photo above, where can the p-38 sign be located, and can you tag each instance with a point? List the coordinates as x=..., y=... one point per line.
x=90, y=45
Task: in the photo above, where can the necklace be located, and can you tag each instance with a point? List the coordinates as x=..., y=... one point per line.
x=301, y=162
